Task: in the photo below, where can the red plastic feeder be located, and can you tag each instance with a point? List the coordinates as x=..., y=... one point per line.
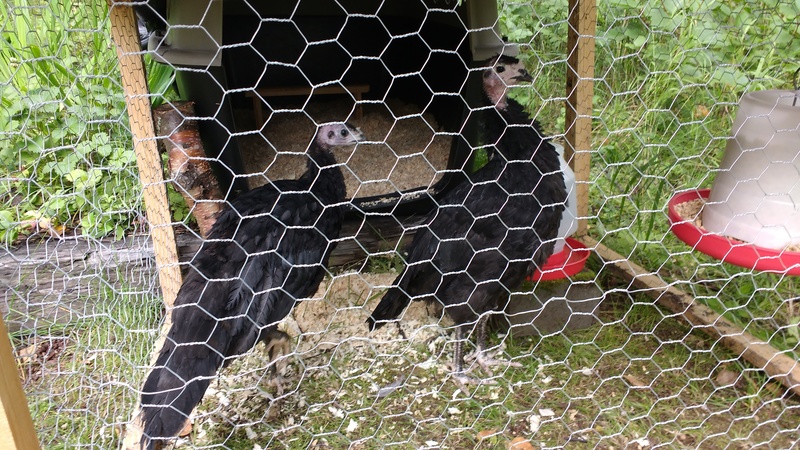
x=563, y=264
x=729, y=250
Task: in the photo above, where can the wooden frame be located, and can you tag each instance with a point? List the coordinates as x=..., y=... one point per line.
x=134, y=83
x=356, y=90
x=580, y=90
x=125, y=34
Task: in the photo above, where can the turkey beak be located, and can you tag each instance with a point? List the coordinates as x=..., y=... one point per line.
x=358, y=136
x=523, y=75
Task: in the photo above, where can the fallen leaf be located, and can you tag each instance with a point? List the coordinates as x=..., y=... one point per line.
x=59, y=230
x=633, y=381
x=701, y=111
x=187, y=429
x=520, y=443
x=686, y=439
x=727, y=377
x=483, y=434
x=27, y=353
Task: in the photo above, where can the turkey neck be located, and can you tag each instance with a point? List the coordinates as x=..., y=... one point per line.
x=323, y=176
x=522, y=138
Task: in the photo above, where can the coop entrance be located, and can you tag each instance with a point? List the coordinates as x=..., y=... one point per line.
x=399, y=70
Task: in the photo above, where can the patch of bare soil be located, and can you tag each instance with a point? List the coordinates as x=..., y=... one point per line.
x=405, y=151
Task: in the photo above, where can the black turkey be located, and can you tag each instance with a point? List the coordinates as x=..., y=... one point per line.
x=489, y=232
x=264, y=253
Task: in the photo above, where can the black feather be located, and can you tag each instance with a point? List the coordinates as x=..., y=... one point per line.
x=488, y=231
x=266, y=251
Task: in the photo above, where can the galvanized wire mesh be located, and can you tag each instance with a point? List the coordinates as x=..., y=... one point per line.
x=604, y=364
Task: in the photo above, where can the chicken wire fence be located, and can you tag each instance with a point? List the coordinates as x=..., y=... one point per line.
x=594, y=360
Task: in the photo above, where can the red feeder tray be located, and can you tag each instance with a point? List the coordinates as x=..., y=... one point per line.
x=563, y=264
x=729, y=250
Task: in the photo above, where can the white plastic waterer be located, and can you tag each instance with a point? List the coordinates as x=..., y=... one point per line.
x=756, y=194
x=569, y=221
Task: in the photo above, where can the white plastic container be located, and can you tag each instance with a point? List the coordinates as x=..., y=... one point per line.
x=569, y=221
x=756, y=194
x=194, y=36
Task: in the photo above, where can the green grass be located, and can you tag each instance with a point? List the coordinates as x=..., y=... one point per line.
x=66, y=155
x=81, y=390
x=624, y=379
x=637, y=373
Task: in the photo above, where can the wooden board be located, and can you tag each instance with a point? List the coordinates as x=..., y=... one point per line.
x=134, y=83
x=356, y=90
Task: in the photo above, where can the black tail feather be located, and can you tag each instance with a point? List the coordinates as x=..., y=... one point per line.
x=174, y=387
x=390, y=307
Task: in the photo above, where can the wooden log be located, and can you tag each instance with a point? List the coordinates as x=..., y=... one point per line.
x=16, y=425
x=189, y=167
x=359, y=238
x=755, y=351
x=580, y=90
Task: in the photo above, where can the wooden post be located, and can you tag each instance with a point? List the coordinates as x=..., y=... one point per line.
x=134, y=82
x=755, y=351
x=16, y=425
x=580, y=90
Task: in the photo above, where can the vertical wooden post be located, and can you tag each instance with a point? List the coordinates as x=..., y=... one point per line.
x=580, y=89
x=16, y=425
x=134, y=82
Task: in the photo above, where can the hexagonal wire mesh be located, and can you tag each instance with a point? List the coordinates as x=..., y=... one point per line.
x=593, y=360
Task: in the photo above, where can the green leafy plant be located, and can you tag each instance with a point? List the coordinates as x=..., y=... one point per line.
x=66, y=156
x=160, y=79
